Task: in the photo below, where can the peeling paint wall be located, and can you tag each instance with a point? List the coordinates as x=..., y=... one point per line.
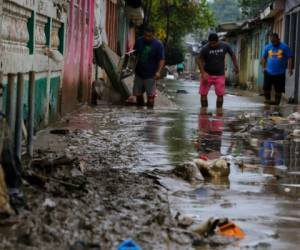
x=78, y=55
x=292, y=38
x=111, y=24
x=27, y=27
x=249, y=48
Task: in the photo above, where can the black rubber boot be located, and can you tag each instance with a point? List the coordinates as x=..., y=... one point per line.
x=277, y=98
x=267, y=97
x=204, y=102
x=150, y=102
x=220, y=102
x=140, y=100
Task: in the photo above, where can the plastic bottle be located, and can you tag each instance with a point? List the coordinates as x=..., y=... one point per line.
x=129, y=245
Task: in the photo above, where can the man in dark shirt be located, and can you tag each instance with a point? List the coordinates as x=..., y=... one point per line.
x=212, y=68
x=151, y=60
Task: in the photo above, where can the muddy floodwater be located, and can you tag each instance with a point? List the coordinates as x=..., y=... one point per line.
x=263, y=198
x=118, y=184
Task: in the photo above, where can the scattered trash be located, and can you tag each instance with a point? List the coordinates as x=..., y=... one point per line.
x=204, y=157
x=60, y=131
x=60, y=171
x=220, y=226
x=183, y=221
x=47, y=164
x=170, y=77
x=200, y=169
x=80, y=245
x=208, y=228
x=214, y=169
x=48, y=203
x=254, y=142
x=188, y=171
x=181, y=91
x=128, y=245
x=229, y=229
x=294, y=117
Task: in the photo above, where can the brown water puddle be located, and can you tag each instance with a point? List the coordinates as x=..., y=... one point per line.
x=262, y=198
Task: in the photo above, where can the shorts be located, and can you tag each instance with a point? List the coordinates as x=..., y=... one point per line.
x=141, y=86
x=217, y=81
x=278, y=81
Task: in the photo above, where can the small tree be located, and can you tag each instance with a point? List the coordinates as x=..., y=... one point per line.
x=174, y=19
x=225, y=10
x=251, y=8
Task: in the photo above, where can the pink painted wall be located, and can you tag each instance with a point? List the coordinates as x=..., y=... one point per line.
x=111, y=24
x=78, y=54
x=130, y=39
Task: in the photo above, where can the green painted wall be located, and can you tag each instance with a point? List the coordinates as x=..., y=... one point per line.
x=54, y=98
x=40, y=102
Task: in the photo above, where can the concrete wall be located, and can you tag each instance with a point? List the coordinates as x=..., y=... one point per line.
x=27, y=27
x=292, y=38
x=290, y=4
x=249, y=48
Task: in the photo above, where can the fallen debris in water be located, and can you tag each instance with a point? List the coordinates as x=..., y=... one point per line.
x=213, y=169
x=188, y=171
x=220, y=226
x=229, y=229
x=294, y=117
x=202, y=169
x=208, y=228
x=183, y=221
x=181, y=91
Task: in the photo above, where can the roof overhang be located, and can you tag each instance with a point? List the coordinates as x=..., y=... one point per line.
x=225, y=27
x=272, y=10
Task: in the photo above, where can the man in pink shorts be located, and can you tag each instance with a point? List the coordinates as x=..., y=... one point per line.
x=212, y=68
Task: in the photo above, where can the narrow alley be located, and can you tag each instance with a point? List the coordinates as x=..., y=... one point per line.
x=149, y=124
x=123, y=158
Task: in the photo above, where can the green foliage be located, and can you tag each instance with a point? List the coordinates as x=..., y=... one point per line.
x=174, y=54
x=251, y=8
x=174, y=19
x=225, y=10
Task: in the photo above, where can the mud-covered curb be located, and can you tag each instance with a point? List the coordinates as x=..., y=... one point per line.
x=116, y=203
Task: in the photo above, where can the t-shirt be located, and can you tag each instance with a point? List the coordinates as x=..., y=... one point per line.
x=149, y=56
x=180, y=66
x=214, y=58
x=277, y=58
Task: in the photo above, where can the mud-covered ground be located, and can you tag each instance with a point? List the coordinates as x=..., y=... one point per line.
x=112, y=202
x=115, y=182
